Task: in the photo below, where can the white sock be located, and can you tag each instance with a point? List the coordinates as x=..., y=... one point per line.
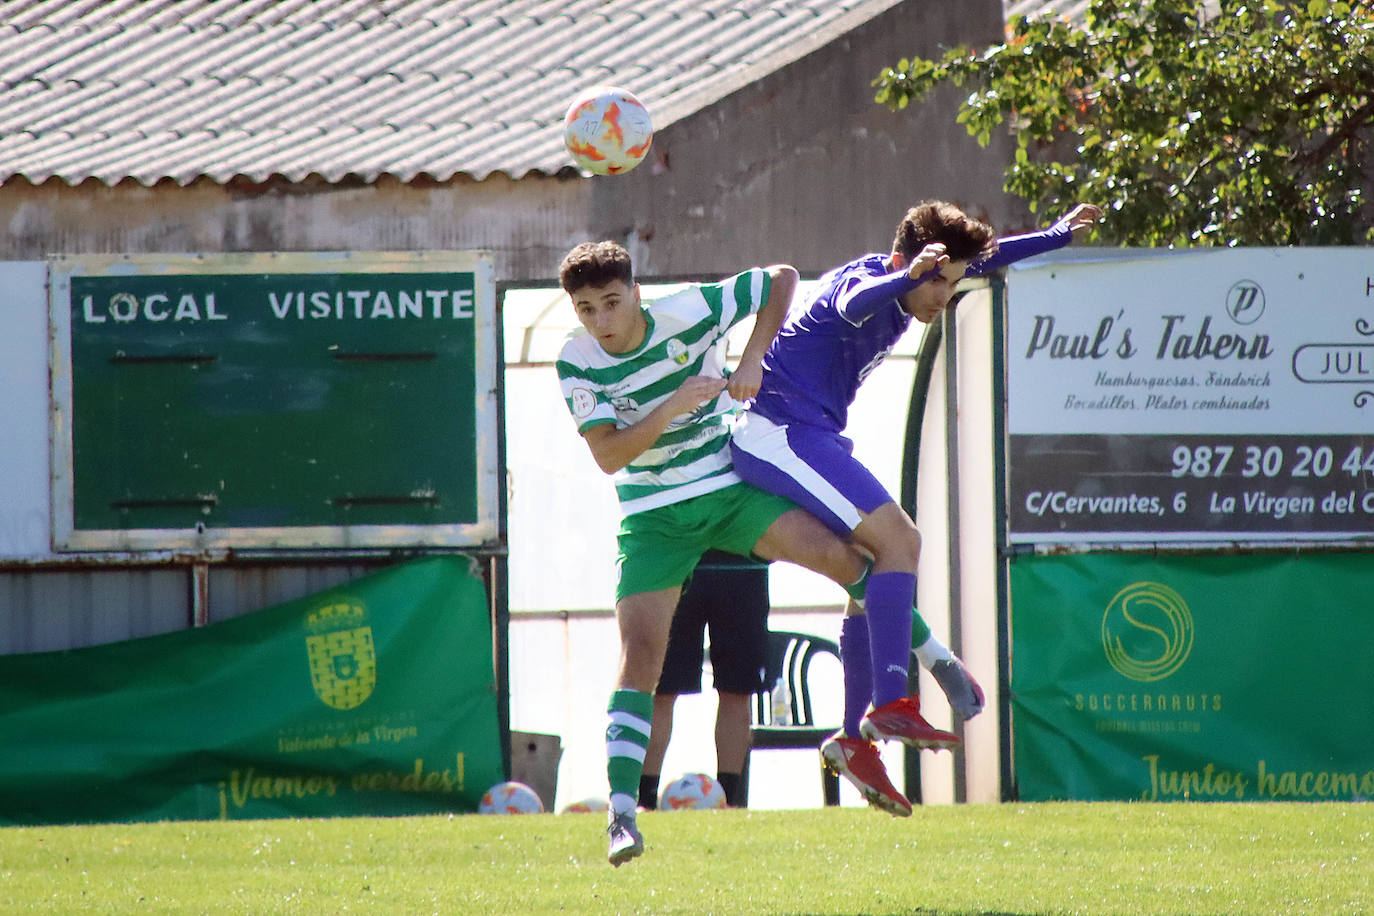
x=930, y=652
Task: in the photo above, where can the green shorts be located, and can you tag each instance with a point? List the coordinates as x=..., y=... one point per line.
x=659, y=548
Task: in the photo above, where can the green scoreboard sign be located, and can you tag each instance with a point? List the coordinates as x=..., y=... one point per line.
x=257, y=400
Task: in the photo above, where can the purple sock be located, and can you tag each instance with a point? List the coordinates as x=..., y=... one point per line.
x=888, y=604
x=858, y=671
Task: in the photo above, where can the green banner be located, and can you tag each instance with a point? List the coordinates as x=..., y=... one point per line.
x=1202, y=677
x=374, y=698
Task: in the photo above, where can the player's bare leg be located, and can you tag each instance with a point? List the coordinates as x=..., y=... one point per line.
x=644, y=620
x=798, y=537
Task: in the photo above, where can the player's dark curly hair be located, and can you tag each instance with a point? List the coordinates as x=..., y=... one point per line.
x=964, y=238
x=595, y=264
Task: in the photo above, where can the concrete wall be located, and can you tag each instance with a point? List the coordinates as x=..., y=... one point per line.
x=802, y=167
x=526, y=224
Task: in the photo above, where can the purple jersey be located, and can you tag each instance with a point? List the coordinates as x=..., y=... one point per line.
x=854, y=318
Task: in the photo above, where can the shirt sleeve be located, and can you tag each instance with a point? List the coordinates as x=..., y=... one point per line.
x=865, y=297
x=586, y=400
x=1018, y=247
x=743, y=295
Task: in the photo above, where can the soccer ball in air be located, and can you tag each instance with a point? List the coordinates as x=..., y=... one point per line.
x=510, y=798
x=607, y=130
x=695, y=790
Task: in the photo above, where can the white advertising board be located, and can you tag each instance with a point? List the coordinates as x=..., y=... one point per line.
x=1219, y=395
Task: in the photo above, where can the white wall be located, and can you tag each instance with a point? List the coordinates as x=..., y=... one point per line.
x=24, y=484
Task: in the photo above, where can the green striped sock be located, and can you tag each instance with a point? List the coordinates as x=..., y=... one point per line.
x=627, y=737
x=927, y=649
x=920, y=630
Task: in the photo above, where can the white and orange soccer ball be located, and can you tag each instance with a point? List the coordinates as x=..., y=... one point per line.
x=695, y=790
x=607, y=130
x=510, y=798
x=589, y=805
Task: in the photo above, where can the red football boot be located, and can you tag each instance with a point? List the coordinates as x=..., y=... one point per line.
x=858, y=761
x=901, y=720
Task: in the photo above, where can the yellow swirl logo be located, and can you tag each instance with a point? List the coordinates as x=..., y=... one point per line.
x=1147, y=631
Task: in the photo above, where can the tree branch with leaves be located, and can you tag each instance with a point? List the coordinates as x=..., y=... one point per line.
x=1248, y=122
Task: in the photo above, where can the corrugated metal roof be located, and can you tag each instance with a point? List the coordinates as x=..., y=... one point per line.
x=182, y=89
x=1076, y=11
x=1067, y=10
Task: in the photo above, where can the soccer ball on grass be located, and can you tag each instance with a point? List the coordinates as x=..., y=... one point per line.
x=607, y=130
x=585, y=806
x=510, y=798
x=695, y=790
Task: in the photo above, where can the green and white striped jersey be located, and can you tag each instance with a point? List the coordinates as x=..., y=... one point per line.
x=685, y=337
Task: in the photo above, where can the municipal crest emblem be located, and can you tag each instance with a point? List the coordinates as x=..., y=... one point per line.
x=583, y=403
x=343, y=658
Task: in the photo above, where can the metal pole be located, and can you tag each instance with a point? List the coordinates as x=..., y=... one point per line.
x=911, y=457
x=956, y=603
x=999, y=496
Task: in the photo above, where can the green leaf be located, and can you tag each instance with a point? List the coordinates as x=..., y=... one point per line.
x=1255, y=126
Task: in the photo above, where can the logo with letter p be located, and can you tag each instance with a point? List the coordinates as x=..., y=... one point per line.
x=1245, y=301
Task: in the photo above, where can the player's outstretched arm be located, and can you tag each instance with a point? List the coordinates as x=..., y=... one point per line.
x=1018, y=247
x=1081, y=217
x=614, y=448
x=748, y=375
x=865, y=298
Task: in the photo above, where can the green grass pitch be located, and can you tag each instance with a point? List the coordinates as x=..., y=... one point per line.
x=1008, y=860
